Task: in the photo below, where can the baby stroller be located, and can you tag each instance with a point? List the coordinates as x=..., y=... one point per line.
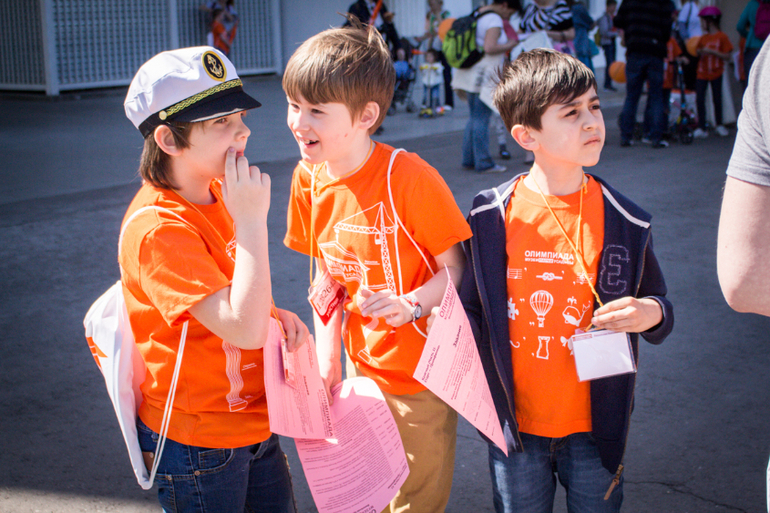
x=685, y=122
x=405, y=77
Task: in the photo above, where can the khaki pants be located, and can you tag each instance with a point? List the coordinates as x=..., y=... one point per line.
x=428, y=429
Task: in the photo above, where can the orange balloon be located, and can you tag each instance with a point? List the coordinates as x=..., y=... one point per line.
x=444, y=27
x=692, y=45
x=618, y=72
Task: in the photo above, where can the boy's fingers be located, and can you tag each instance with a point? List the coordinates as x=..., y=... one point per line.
x=613, y=306
x=371, y=298
x=290, y=333
x=328, y=388
x=300, y=336
x=264, y=178
x=231, y=173
x=244, y=172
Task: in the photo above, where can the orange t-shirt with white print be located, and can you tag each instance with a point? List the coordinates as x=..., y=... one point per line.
x=672, y=52
x=167, y=267
x=357, y=235
x=711, y=67
x=548, y=299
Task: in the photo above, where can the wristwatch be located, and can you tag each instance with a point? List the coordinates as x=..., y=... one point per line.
x=414, y=304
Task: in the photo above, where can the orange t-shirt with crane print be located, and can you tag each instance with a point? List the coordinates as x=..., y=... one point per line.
x=350, y=223
x=548, y=299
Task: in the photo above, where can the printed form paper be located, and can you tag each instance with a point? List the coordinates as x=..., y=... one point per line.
x=450, y=367
x=297, y=404
x=363, y=468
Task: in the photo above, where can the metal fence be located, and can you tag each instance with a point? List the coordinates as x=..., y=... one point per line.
x=56, y=45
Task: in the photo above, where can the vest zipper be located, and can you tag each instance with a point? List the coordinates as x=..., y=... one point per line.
x=616, y=480
x=499, y=376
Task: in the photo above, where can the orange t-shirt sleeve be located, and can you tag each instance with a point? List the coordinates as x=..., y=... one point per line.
x=176, y=270
x=725, y=44
x=432, y=215
x=298, y=215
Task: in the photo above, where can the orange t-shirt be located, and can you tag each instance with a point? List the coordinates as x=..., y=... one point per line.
x=357, y=235
x=548, y=299
x=167, y=267
x=672, y=52
x=710, y=66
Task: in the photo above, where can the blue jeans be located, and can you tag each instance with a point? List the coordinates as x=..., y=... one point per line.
x=588, y=61
x=701, y=86
x=430, y=97
x=476, y=136
x=609, y=56
x=197, y=479
x=641, y=68
x=749, y=55
x=525, y=482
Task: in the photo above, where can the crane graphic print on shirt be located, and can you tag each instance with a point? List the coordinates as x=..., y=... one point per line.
x=347, y=267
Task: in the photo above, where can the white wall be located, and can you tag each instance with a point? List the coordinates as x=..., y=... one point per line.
x=457, y=8
x=301, y=19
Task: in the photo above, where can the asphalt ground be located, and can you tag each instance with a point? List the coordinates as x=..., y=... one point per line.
x=698, y=439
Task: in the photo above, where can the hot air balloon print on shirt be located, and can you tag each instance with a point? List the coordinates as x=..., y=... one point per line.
x=541, y=303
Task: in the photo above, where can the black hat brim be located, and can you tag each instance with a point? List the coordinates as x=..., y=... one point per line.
x=218, y=104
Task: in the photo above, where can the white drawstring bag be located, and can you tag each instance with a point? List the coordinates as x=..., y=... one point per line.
x=112, y=344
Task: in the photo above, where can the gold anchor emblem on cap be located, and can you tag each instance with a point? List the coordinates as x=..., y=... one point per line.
x=214, y=66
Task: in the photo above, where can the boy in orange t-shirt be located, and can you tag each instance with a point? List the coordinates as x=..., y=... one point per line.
x=553, y=251
x=383, y=226
x=181, y=261
x=714, y=48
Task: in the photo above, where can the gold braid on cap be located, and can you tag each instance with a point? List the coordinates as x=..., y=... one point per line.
x=165, y=113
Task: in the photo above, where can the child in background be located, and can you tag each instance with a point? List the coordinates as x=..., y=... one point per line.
x=196, y=250
x=401, y=65
x=714, y=48
x=558, y=237
x=384, y=230
x=432, y=77
x=224, y=26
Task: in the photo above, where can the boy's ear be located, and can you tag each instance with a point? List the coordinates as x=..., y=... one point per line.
x=369, y=115
x=165, y=140
x=524, y=137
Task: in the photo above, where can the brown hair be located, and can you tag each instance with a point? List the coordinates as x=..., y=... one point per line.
x=155, y=164
x=349, y=65
x=536, y=80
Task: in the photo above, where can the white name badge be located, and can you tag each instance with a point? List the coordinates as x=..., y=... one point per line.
x=602, y=353
x=325, y=296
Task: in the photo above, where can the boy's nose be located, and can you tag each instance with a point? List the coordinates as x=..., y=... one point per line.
x=591, y=120
x=296, y=120
x=243, y=130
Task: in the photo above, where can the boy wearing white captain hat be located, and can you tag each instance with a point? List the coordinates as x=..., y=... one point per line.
x=199, y=254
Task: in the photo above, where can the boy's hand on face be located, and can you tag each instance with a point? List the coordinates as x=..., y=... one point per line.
x=387, y=305
x=628, y=314
x=246, y=190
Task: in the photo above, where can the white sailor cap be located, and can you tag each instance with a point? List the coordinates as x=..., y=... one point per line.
x=188, y=84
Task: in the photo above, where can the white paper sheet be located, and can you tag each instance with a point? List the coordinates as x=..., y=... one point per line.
x=450, y=367
x=363, y=468
x=302, y=411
